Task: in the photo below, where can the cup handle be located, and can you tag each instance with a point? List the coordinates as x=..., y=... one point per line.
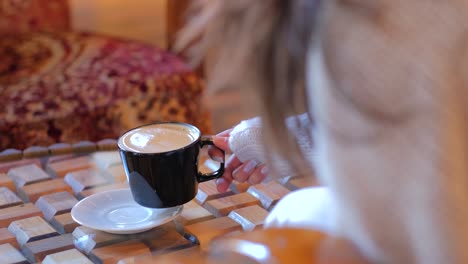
x=202, y=177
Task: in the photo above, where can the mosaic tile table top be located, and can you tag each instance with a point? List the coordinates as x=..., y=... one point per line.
x=40, y=186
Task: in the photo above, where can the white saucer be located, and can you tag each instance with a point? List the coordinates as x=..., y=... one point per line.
x=116, y=212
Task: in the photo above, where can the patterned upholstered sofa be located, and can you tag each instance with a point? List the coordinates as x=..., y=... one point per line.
x=59, y=85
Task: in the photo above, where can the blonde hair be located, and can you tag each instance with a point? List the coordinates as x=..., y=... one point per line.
x=259, y=47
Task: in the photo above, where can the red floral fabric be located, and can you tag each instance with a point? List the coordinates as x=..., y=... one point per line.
x=32, y=15
x=67, y=87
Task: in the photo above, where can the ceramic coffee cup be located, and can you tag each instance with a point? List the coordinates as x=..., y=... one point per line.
x=161, y=163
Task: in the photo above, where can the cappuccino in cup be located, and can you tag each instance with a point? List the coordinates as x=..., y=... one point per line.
x=157, y=138
x=161, y=163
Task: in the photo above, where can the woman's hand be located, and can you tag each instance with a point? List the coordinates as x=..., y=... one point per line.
x=250, y=171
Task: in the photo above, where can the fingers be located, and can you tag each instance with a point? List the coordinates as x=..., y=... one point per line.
x=250, y=172
x=221, y=141
x=231, y=164
x=225, y=133
x=241, y=172
x=222, y=184
x=215, y=154
x=259, y=174
x=234, y=169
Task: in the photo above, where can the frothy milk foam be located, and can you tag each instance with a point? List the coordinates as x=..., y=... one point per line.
x=158, y=138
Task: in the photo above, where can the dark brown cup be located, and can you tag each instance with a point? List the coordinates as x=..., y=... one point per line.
x=167, y=178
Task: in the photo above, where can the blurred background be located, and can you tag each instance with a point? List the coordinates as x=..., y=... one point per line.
x=75, y=70
x=145, y=20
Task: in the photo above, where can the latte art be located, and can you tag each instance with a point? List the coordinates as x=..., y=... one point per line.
x=158, y=138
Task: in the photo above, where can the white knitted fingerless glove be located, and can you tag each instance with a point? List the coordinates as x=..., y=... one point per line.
x=247, y=144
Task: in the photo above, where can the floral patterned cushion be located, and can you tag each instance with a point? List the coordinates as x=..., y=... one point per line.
x=68, y=87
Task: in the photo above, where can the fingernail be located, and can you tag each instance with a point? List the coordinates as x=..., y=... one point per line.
x=218, y=159
x=219, y=181
x=223, y=139
x=264, y=170
x=250, y=166
x=221, y=185
x=234, y=172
